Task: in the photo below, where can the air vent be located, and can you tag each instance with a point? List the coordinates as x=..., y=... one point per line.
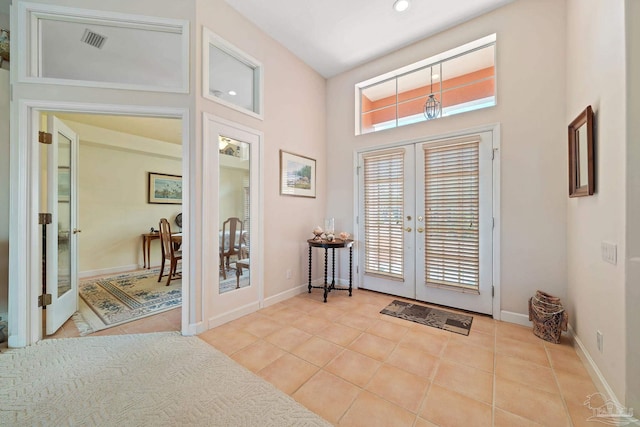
x=93, y=39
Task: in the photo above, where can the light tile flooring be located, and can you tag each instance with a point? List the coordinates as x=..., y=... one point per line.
x=356, y=367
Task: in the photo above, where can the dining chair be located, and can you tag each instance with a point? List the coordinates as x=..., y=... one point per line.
x=168, y=251
x=229, y=242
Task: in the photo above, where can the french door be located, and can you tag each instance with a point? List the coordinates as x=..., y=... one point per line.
x=61, y=237
x=425, y=220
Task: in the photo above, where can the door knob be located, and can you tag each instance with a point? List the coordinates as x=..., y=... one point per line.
x=420, y=229
x=76, y=231
x=408, y=229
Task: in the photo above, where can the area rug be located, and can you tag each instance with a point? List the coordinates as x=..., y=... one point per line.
x=114, y=300
x=160, y=379
x=452, y=322
x=231, y=282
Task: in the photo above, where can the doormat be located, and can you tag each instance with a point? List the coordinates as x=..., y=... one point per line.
x=452, y=322
x=114, y=300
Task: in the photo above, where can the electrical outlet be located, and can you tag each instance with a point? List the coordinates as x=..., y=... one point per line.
x=609, y=252
x=288, y=273
x=599, y=339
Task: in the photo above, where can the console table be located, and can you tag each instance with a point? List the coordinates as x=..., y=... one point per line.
x=336, y=244
x=176, y=237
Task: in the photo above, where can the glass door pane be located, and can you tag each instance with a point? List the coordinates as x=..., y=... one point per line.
x=64, y=214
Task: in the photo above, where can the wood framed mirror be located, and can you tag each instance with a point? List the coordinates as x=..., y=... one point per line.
x=581, y=155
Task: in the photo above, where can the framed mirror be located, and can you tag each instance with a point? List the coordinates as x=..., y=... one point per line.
x=581, y=155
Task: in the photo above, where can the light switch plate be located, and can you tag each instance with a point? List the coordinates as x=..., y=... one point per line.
x=609, y=252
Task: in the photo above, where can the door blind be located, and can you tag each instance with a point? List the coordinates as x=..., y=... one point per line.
x=383, y=213
x=451, y=185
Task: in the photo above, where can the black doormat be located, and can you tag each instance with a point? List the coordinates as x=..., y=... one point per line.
x=452, y=322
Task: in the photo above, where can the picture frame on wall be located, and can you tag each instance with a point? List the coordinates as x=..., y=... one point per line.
x=297, y=175
x=582, y=154
x=165, y=188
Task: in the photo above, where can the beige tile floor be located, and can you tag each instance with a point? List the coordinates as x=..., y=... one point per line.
x=356, y=367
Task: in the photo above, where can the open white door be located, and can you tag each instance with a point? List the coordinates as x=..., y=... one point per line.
x=61, y=236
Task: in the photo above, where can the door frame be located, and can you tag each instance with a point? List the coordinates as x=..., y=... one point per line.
x=25, y=280
x=495, y=130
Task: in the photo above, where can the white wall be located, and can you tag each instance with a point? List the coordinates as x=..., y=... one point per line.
x=530, y=88
x=633, y=204
x=112, y=185
x=231, y=193
x=596, y=77
x=294, y=120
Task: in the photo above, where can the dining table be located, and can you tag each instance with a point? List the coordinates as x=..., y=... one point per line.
x=147, y=238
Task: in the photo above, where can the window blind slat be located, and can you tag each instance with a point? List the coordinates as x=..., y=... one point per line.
x=451, y=194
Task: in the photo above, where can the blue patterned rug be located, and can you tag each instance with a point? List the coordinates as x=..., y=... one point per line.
x=452, y=322
x=113, y=300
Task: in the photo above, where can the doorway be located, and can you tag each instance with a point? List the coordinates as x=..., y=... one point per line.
x=426, y=220
x=99, y=171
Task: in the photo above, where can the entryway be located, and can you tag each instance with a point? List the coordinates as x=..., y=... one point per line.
x=426, y=220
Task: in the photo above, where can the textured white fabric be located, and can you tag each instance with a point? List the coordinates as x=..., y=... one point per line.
x=160, y=379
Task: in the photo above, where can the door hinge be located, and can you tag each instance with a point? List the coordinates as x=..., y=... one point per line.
x=493, y=291
x=44, y=218
x=357, y=170
x=357, y=269
x=357, y=220
x=44, y=300
x=493, y=153
x=45, y=138
x=493, y=222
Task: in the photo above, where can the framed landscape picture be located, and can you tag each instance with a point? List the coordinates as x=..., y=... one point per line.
x=165, y=188
x=297, y=175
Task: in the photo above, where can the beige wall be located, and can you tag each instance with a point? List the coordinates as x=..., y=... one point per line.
x=231, y=193
x=596, y=77
x=530, y=88
x=4, y=191
x=633, y=204
x=294, y=120
x=113, y=207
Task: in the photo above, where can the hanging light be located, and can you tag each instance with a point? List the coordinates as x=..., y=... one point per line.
x=432, y=106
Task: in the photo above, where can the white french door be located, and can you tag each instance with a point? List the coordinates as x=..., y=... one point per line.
x=426, y=221
x=61, y=237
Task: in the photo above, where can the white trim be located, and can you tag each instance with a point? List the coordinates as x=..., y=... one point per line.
x=211, y=38
x=283, y=296
x=112, y=270
x=24, y=250
x=29, y=58
x=598, y=379
x=517, y=318
x=497, y=222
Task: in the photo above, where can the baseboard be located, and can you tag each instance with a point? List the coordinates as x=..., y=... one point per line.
x=232, y=315
x=290, y=293
x=517, y=318
x=194, y=329
x=598, y=379
x=105, y=271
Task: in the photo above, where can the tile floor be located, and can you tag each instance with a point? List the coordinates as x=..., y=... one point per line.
x=356, y=367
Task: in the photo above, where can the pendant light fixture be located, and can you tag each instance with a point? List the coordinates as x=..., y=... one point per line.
x=432, y=106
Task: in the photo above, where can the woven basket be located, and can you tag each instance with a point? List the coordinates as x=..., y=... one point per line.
x=548, y=316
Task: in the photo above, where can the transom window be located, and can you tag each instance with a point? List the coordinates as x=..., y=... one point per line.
x=453, y=82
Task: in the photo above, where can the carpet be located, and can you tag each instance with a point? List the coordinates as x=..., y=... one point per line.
x=231, y=282
x=114, y=300
x=452, y=322
x=160, y=379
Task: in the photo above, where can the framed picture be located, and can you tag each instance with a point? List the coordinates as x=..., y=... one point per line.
x=165, y=188
x=581, y=155
x=297, y=175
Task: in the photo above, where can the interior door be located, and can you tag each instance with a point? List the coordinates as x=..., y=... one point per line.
x=61, y=236
x=426, y=220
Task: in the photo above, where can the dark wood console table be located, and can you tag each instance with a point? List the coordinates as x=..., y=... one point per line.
x=336, y=244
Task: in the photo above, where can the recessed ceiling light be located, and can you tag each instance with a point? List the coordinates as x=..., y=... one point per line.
x=401, y=5
x=232, y=93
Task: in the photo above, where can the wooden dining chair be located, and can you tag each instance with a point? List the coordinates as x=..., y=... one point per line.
x=229, y=244
x=168, y=252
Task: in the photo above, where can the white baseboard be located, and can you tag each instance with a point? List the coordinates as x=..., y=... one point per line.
x=598, y=379
x=104, y=271
x=194, y=329
x=517, y=318
x=232, y=315
x=290, y=293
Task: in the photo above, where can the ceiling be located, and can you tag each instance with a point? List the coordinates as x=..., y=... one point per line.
x=333, y=36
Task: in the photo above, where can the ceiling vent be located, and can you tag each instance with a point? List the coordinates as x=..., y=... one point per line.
x=93, y=39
